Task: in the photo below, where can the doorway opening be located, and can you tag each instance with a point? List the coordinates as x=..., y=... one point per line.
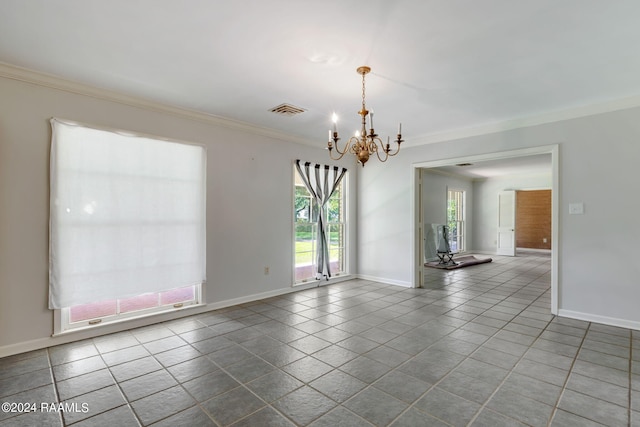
x=533, y=219
x=507, y=156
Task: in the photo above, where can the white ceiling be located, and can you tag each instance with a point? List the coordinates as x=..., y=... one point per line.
x=537, y=164
x=438, y=66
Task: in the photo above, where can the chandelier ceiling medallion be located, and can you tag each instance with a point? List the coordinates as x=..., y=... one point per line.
x=364, y=143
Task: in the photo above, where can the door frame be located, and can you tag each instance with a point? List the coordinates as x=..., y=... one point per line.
x=418, y=229
x=512, y=250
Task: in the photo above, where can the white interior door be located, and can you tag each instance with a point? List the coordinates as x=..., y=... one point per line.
x=507, y=223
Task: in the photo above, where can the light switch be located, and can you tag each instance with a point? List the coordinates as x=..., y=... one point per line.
x=576, y=208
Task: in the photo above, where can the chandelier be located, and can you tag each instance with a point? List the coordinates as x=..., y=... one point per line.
x=364, y=143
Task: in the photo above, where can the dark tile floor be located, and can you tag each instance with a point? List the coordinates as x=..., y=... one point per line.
x=475, y=346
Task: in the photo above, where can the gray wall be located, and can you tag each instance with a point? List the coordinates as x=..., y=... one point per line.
x=249, y=202
x=598, y=276
x=598, y=273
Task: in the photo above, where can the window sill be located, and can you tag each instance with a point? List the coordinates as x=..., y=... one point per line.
x=322, y=282
x=102, y=325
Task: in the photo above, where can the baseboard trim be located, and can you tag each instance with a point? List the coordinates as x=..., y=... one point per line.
x=605, y=320
x=37, y=344
x=385, y=280
x=542, y=251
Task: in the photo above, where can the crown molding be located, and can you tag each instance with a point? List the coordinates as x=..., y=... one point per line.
x=26, y=75
x=528, y=121
x=14, y=72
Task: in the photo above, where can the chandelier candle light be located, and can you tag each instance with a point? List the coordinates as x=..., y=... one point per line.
x=364, y=143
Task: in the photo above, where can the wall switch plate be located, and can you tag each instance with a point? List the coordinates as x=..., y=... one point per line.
x=576, y=208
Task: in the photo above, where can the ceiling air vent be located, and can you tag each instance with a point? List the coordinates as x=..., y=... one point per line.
x=287, y=110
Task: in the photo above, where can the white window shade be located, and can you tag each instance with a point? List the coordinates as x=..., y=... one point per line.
x=127, y=215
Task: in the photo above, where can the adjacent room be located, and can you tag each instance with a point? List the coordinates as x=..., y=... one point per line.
x=219, y=213
x=469, y=200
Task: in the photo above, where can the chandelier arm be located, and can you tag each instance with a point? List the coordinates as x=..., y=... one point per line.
x=346, y=148
x=398, y=141
x=336, y=158
x=381, y=148
x=341, y=153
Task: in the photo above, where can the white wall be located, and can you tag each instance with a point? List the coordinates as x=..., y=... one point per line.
x=249, y=202
x=485, y=209
x=598, y=276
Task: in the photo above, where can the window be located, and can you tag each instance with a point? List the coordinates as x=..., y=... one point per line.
x=127, y=225
x=306, y=212
x=455, y=219
x=132, y=307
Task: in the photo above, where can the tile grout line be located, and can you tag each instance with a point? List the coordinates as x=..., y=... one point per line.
x=55, y=385
x=117, y=383
x=371, y=385
x=517, y=290
x=566, y=381
x=244, y=386
x=484, y=405
x=180, y=384
x=434, y=385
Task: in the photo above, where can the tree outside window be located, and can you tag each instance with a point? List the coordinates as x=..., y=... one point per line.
x=306, y=215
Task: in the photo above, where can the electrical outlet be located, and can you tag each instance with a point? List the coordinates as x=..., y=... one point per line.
x=544, y=240
x=266, y=270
